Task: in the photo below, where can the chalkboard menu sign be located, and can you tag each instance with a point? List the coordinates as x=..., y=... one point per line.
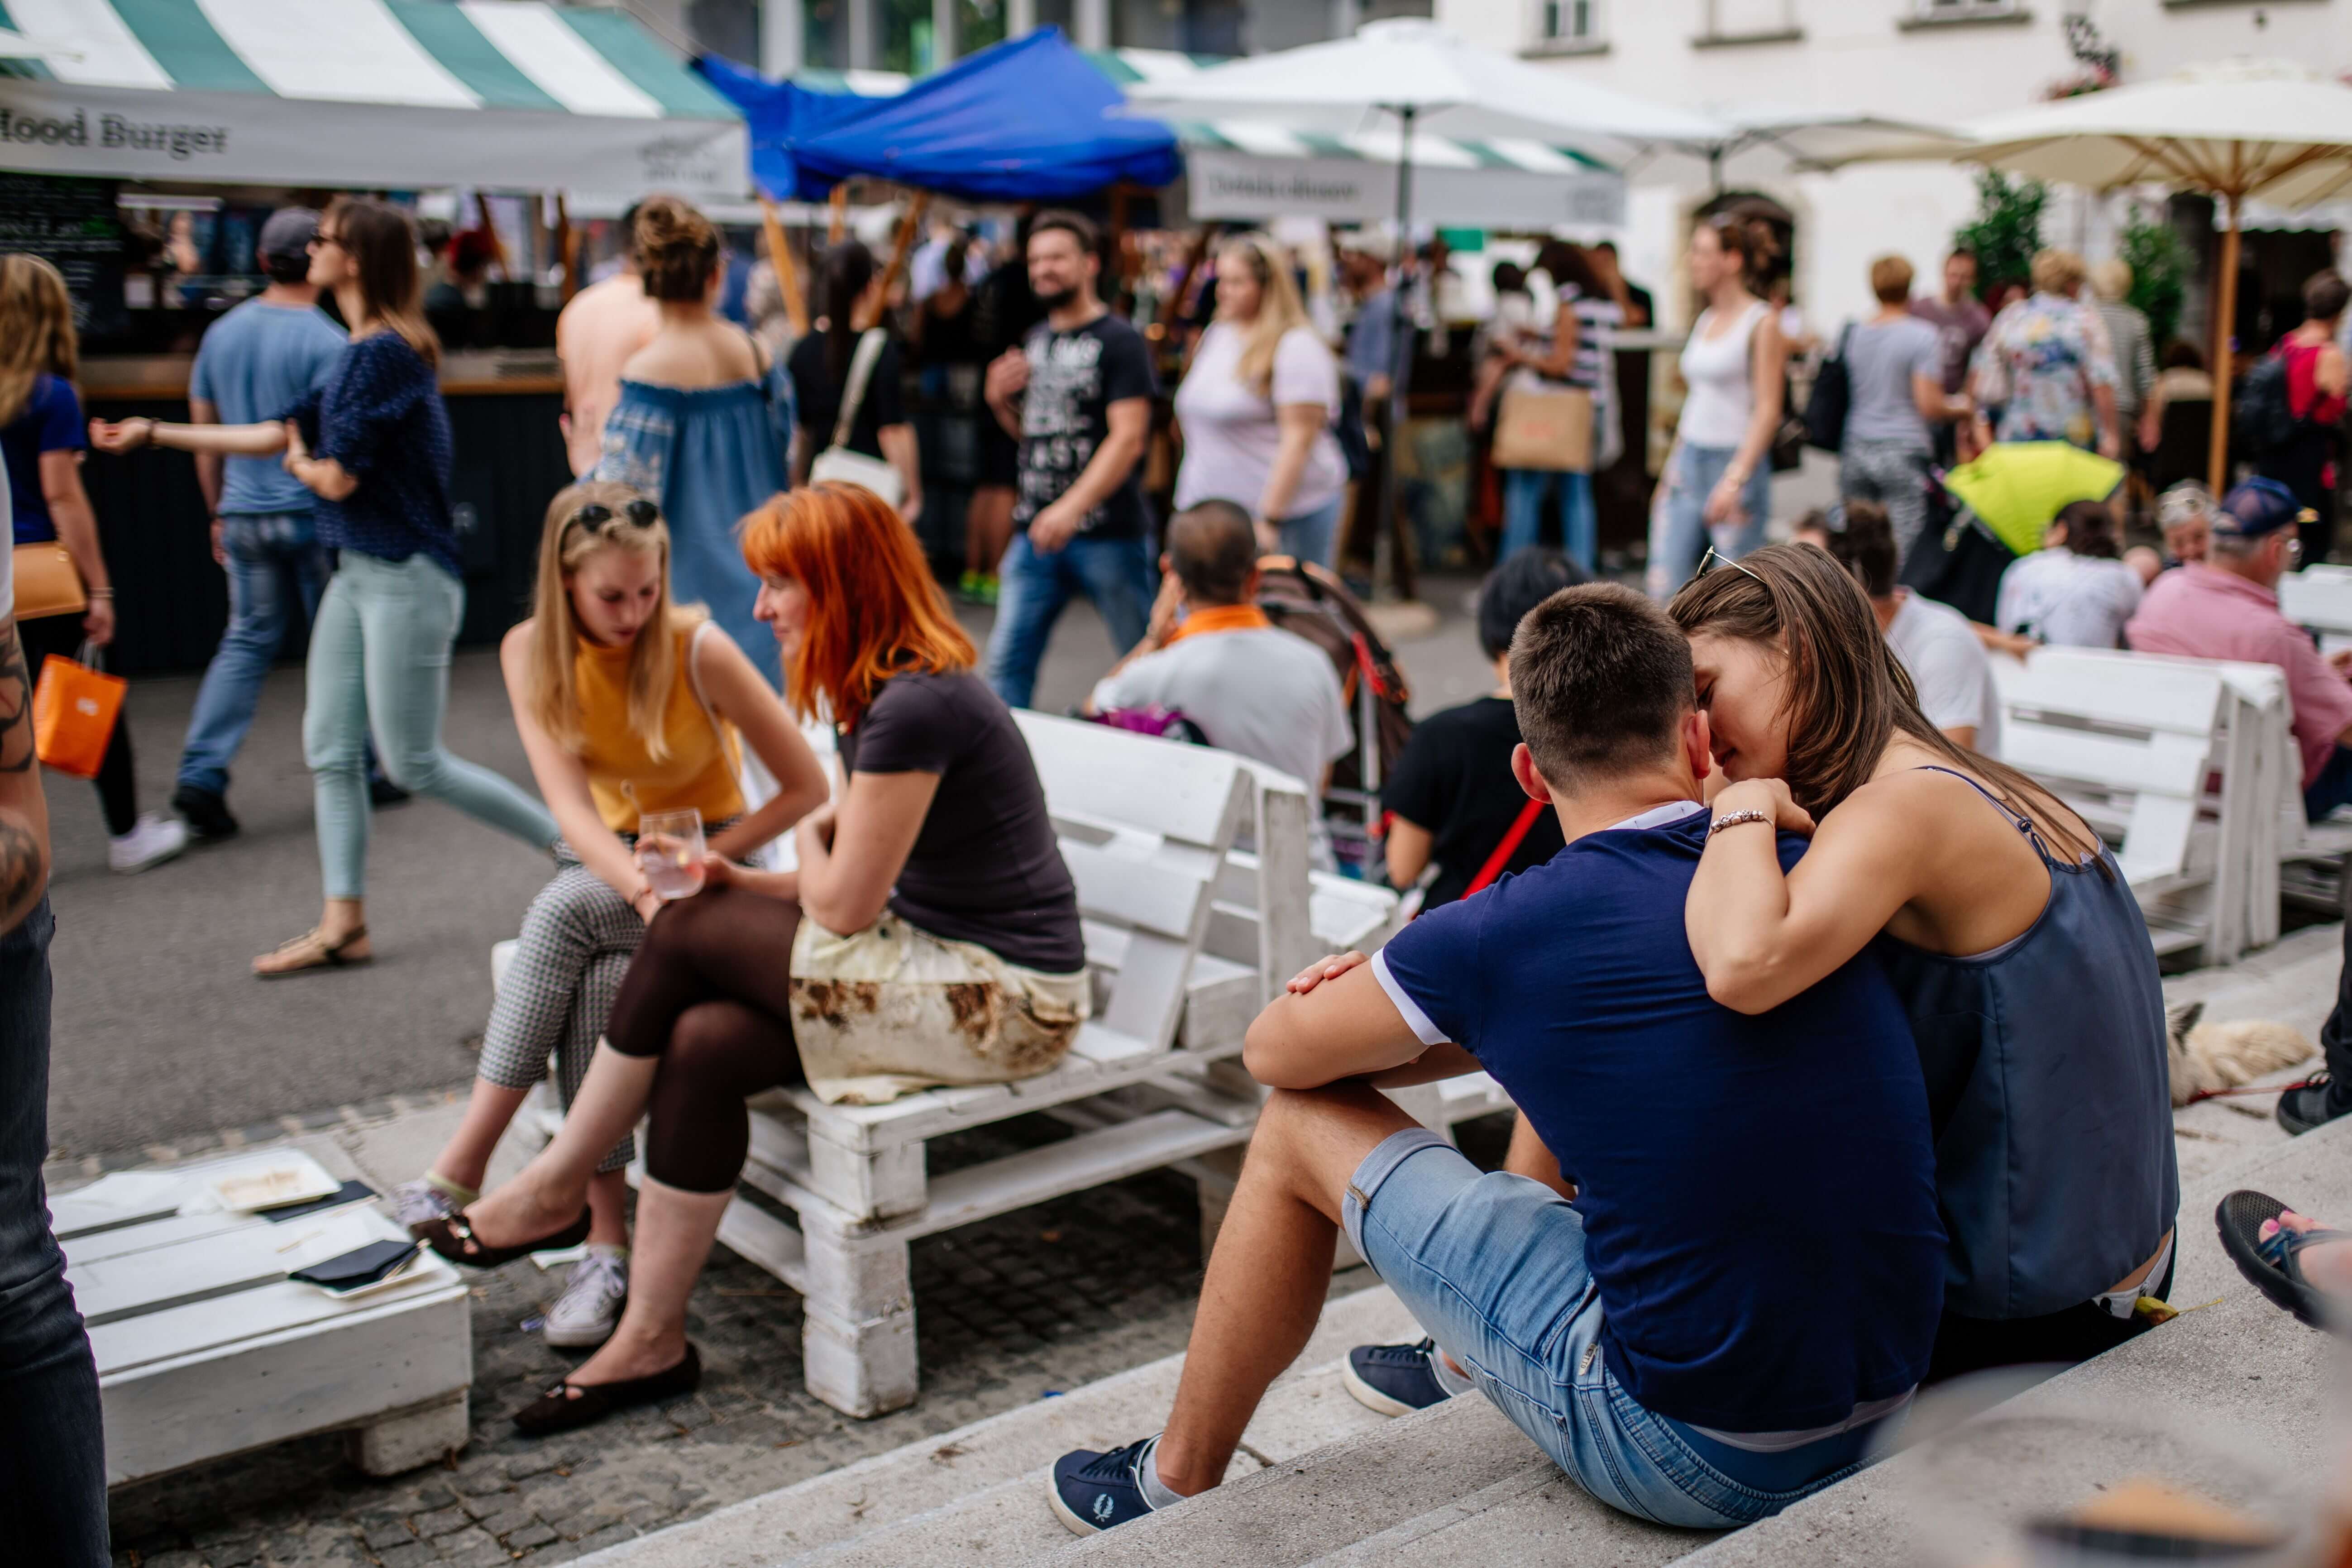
x=73, y=225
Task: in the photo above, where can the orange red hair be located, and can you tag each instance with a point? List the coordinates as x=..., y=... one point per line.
x=873, y=610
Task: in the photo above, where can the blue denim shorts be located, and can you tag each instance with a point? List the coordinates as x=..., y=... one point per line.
x=1492, y=1265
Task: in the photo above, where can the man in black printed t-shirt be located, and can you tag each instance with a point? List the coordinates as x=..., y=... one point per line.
x=1078, y=395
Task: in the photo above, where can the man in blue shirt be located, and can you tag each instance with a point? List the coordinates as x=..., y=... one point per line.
x=1746, y=1287
x=255, y=362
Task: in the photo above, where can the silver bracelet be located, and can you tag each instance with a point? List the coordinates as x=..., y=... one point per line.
x=1735, y=819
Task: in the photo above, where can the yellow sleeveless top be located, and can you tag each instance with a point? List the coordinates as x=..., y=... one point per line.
x=700, y=771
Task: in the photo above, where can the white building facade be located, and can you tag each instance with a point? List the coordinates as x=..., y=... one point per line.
x=1932, y=61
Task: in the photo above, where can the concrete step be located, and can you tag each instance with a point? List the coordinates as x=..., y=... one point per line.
x=976, y=1496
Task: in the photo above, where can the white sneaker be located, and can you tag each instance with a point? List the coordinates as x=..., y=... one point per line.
x=420, y=1203
x=585, y=1314
x=151, y=840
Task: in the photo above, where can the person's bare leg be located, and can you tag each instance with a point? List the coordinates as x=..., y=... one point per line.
x=675, y=1230
x=337, y=922
x=551, y=1190
x=1531, y=1158
x=608, y=1209
x=1270, y=1272
x=465, y=1158
x=2327, y=1265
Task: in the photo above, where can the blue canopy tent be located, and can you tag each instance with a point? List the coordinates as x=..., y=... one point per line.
x=1028, y=121
x=780, y=115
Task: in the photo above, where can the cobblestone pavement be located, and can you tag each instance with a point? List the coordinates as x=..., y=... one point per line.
x=1009, y=1311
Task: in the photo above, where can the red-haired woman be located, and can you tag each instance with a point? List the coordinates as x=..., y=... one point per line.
x=934, y=872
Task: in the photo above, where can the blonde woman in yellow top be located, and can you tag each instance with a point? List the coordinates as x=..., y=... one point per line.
x=628, y=703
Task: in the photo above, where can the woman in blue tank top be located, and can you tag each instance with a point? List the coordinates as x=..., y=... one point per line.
x=2007, y=930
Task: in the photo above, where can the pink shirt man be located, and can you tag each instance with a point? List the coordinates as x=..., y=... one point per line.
x=2203, y=612
x=604, y=325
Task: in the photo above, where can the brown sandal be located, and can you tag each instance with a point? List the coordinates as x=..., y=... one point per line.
x=325, y=954
x=453, y=1239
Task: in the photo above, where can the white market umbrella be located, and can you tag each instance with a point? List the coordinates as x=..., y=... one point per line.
x=2238, y=131
x=1772, y=141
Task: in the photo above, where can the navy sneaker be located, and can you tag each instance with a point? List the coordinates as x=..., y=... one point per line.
x=1091, y=1492
x=1395, y=1380
x=2313, y=1105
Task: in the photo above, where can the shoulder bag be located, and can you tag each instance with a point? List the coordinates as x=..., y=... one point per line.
x=1832, y=397
x=1544, y=427
x=46, y=583
x=838, y=464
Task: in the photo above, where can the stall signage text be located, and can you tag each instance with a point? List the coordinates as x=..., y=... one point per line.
x=113, y=130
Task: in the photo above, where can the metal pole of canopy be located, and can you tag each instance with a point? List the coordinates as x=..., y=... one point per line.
x=1387, y=570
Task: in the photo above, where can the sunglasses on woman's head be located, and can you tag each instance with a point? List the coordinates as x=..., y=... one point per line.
x=1715, y=558
x=640, y=513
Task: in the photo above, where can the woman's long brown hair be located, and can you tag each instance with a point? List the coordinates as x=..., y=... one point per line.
x=37, y=330
x=1846, y=693
x=381, y=245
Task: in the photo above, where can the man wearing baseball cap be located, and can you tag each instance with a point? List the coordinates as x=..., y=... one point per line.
x=255, y=362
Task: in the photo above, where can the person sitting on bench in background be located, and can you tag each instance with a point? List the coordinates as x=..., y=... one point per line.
x=1451, y=799
x=1746, y=1289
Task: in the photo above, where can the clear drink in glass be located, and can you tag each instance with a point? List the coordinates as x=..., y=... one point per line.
x=669, y=852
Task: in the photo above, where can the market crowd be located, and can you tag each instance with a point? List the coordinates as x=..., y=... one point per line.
x=1720, y=879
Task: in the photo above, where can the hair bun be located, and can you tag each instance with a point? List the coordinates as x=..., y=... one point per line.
x=676, y=248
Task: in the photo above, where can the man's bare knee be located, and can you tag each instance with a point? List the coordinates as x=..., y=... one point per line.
x=1312, y=1139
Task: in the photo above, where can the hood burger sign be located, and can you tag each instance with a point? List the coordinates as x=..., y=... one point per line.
x=57, y=128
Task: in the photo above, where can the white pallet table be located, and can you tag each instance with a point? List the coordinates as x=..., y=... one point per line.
x=2320, y=596
x=205, y=1348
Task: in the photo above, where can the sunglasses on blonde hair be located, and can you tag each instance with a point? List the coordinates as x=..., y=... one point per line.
x=638, y=513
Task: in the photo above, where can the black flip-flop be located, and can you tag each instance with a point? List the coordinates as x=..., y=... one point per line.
x=558, y=1411
x=452, y=1236
x=2274, y=1267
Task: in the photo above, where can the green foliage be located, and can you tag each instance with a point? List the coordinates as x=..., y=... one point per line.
x=2160, y=263
x=2006, y=231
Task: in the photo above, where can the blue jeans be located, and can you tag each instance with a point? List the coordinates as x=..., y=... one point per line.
x=380, y=662
x=1032, y=588
x=1525, y=493
x=1309, y=535
x=1691, y=478
x=52, y=1451
x=1492, y=1265
x=273, y=561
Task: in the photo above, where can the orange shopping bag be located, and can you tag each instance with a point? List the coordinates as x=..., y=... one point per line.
x=74, y=711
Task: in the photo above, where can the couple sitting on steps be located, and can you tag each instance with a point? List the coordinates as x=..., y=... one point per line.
x=1826, y=1128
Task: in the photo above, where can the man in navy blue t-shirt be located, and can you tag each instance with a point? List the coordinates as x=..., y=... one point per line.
x=1746, y=1287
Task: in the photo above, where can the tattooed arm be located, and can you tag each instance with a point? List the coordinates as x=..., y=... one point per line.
x=24, y=814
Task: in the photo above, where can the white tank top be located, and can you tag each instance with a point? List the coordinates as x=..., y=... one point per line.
x=1722, y=380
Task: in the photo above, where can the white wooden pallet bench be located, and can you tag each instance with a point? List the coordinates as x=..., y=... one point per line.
x=205, y=1348
x=2128, y=743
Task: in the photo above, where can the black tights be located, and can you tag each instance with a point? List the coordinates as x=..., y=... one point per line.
x=62, y=635
x=710, y=993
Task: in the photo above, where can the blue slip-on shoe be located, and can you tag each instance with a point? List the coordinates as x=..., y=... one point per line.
x=1091, y=1492
x=1395, y=1380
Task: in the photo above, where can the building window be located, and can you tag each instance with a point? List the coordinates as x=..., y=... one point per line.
x=1566, y=28
x=1928, y=12
x=1750, y=22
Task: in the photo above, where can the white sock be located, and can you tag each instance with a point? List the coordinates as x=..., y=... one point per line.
x=1147, y=1470
x=1448, y=1379
x=599, y=1250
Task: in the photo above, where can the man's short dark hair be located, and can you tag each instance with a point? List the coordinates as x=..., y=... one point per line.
x=1078, y=225
x=2325, y=295
x=1863, y=543
x=1213, y=549
x=1524, y=580
x=1601, y=679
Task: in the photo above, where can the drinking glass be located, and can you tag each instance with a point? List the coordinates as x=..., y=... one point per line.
x=669, y=852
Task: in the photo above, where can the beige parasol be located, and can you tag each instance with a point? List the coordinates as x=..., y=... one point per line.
x=2236, y=131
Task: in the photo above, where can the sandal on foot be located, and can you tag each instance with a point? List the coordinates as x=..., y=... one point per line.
x=558, y=1410
x=317, y=953
x=2272, y=1264
x=453, y=1239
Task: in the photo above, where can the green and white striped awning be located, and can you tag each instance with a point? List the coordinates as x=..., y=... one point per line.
x=1243, y=169
x=360, y=93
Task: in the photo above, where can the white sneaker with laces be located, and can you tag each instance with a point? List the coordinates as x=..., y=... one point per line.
x=420, y=1203
x=590, y=1307
x=152, y=840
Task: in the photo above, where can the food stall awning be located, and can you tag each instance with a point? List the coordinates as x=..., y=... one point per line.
x=371, y=94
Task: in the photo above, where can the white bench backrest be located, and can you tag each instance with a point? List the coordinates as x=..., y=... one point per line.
x=2125, y=726
x=1145, y=826
x=2318, y=597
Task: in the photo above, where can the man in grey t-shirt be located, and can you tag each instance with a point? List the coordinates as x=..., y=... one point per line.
x=1895, y=372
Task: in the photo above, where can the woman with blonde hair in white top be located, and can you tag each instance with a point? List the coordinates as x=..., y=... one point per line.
x=1256, y=407
x=1719, y=480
